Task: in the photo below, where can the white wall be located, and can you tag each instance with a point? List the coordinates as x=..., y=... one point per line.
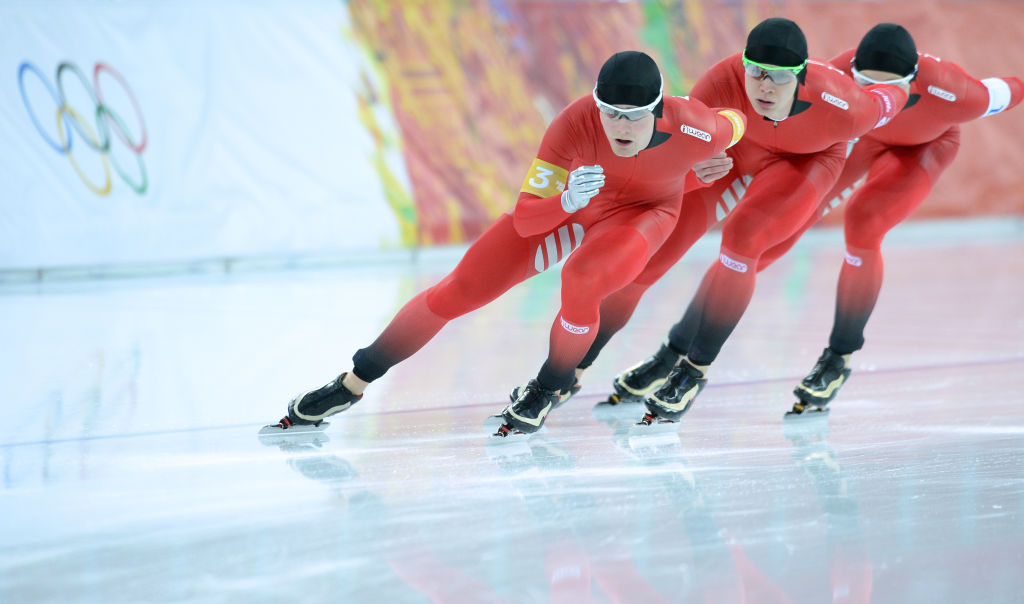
x=253, y=142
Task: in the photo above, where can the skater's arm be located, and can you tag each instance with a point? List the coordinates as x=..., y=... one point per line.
x=886, y=101
x=542, y=205
x=985, y=97
x=539, y=207
x=730, y=127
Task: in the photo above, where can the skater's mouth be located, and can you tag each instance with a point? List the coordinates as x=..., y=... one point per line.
x=623, y=141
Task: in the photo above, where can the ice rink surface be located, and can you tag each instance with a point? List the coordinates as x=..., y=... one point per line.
x=131, y=470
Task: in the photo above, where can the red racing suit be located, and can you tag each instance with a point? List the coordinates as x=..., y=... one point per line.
x=611, y=239
x=781, y=171
x=897, y=165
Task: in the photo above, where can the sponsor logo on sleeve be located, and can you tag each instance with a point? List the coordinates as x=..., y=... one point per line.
x=832, y=100
x=704, y=136
x=942, y=94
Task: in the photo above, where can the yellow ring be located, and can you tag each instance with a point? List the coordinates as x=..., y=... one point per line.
x=67, y=149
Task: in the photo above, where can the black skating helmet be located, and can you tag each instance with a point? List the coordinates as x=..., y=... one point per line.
x=630, y=77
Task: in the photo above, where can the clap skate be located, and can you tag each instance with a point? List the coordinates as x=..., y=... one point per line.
x=675, y=397
x=307, y=412
x=805, y=410
x=563, y=395
x=527, y=413
x=286, y=428
x=820, y=386
x=275, y=435
x=493, y=422
x=635, y=383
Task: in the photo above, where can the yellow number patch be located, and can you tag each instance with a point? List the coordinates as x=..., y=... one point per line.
x=545, y=179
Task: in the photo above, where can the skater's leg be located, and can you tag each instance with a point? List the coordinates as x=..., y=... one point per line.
x=640, y=380
x=698, y=214
x=898, y=183
x=681, y=335
x=611, y=256
x=495, y=262
x=854, y=169
x=589, y=275
x=778, y=201
x=498, y=259
x=700, y=211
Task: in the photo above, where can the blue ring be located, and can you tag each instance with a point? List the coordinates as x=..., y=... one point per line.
x=53, y=92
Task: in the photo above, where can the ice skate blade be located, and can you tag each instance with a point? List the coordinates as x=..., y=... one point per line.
x=607, y=410
x=274, y=433
x=494, y=422
x=507, y=432
x=655, y=427
x=808, y=412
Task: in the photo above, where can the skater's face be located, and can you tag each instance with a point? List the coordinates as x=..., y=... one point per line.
x=627, y=136
x=769, y=98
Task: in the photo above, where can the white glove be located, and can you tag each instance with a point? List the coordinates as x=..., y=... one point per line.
x=584, y=183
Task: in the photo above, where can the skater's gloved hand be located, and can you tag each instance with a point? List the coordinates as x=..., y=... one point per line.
x=584, y=183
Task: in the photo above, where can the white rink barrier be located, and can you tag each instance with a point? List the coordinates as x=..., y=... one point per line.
x=170, y=132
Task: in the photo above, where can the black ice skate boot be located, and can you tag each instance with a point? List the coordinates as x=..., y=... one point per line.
x=493, y=422
x=563, y=395
x=315, y=406
x=673, y=399
x=635, y=383
x=527, y=413
x=822, y=384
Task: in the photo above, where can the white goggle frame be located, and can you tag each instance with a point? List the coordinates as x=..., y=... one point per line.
x=634, y=114
x=864, y=80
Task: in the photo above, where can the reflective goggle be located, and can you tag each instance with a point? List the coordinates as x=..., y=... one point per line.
x=634, y=114
x=864, y=80
x=778, y=75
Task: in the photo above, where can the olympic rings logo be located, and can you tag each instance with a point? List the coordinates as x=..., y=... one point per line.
x=98, y=137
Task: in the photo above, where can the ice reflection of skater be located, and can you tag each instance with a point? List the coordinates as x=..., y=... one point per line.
x=381, y=533
x=586, y=544
x=709, y=561
x=639, y=533
x=534, y=470
x=850, y=572
x=715, y=563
